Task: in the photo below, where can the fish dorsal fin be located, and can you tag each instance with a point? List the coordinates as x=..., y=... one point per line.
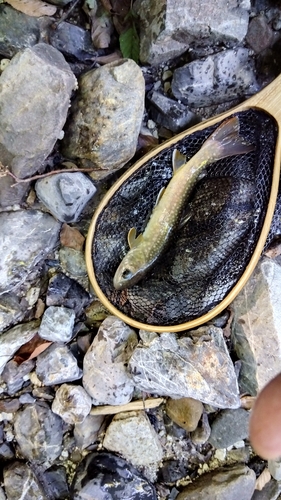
x=132, y=240
x=160, y=194
x=178, y=160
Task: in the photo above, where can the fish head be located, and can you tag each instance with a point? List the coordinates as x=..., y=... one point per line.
x=130, y=270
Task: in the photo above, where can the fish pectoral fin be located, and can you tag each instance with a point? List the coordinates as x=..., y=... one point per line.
x=132, y=239
x=178, y=160
x=160, y=194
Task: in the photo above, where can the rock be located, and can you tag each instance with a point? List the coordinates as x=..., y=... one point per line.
x=57, y=324
x=72, y=403
x=167, y=29
x=6, y=452
x=66, y=194
x=21, y=482
x=229, y=427
x=101, y=475
x=216, y=79
x=71, y=237
x=171, y=114
x=14, y=374
x=14, y=338
x=105, y=375
x=86, y=433
x=274, y=467
x=260, y=35
x=17, y=31
x=107, y=112
x=73, y=263
x=172, y=471
x=38, y=432
x=197, y=367
x=186, y=412
x=64, y=291
x=55, y=483
x=12, y=310
x=234, y=482
x=9, y=405
x=257, y=325
x=35, y=89
x=203, y=431
x=26, y=237
x=270, y=491
x=73, y=41
x=132, y=435
x=57, y=365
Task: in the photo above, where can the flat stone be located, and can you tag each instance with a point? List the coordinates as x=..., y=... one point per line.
x=38, y=432
x=66, y=194
x=35, y=91
x=225, y=484
x=168, y=29
x=132, y=435
x=26, y=237
x=171, y=114
x=57, y=324
x=72, y=403
x=107, y=111
x=57, y=365
x=21, y=482
x=13, y=339
x=105, y=375
x=104, y=475
x=215, y=79
x=186, y=412
x=256, y=328
x=17, y=31
x=229, y=427
x=198, y=367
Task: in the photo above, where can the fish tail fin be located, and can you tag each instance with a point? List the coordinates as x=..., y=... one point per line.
x=226, y=141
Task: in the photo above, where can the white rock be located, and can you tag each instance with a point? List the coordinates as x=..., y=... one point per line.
x=57, y=324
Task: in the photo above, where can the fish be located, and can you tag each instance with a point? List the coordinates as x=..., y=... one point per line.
x=146, y=248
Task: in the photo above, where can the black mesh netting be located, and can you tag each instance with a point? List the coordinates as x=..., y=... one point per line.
x=209, y=253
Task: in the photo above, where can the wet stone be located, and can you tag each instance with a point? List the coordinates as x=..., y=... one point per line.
x=107, y=111
x=28, y=236
x=104, y=474
x=198, y=367
x=171, y=114
x=132, y=435
x=86, y=433
x=21, y=482
x=73, y=263
x=38, y=432
x=229, y=427
x=186, y=412
x=65, y=194
x=105, y=375
x=64, y=291
x=215, y=79
x=17, y=31
x=35, y=91
x=55, y=483
x=57, y=365
x=13, y=339
x=57, y=324
x=15, y=375
x=234, y=482
x=72, y=403
x=73, y=41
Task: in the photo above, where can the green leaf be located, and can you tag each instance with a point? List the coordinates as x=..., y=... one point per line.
x=130, y=44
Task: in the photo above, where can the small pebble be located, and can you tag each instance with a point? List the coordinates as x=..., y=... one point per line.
x=57, y=324
x=72, y=403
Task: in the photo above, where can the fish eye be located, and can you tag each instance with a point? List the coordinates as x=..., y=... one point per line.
x=127, y=274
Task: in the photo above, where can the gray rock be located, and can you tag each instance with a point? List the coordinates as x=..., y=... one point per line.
x=38, y=432
x=270, y=491
x=73, y=264
x=21, y=482
x=260, y=35
x=72, y=403
x=57, y=365
x=14, y=338
x=274, y=467
x=229, y=427
x=66, y=194
x=6, y=452
x=57, y=324
x=132, y=435
x=55, y=483
x=171, y=114
x=86, y=433
x=2, y=494
x=106, y=117
x=64, y=291
x=203, y=431
x=169, y=28
x=26, y=237
x=256, y=327
x=235, y=482
x=72, y=41
x=35, y=90
x=11, y=311
x=17, y=31
x=14, y=374
x=197, y=367
x=105, y=375
x=216, y=79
